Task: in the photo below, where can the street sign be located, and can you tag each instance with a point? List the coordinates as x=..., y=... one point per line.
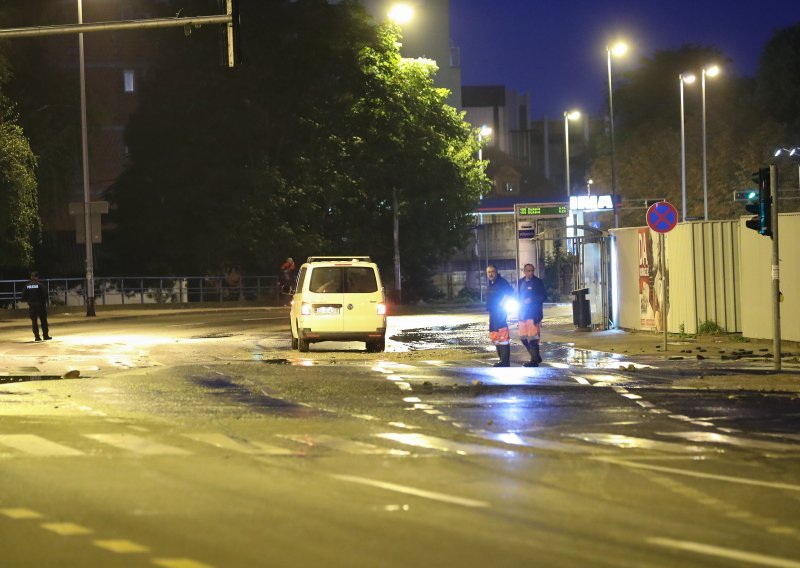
x=662, y=217
x=745, y=195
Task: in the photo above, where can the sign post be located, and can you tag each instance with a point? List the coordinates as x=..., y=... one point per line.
x=662, y=218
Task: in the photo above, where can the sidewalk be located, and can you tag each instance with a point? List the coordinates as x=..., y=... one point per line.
x=721, y=361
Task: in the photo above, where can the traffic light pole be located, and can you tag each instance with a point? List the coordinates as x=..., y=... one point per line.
x=776, y=280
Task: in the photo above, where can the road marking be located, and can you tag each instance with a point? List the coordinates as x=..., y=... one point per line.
x=264, y=319
x=739, y=480
x=66, y=529
x=444, y=498
x=19, y=514
x=340, y=444
x=441, y=444
x=187, y=324
x=530, y=442
x=581, y=380
x=632, y=442
x=137, y=445
x=714, y=438
x=37, y=446
x=121, y=546
x=179, y=563
x=732, y=554
x=225, y=442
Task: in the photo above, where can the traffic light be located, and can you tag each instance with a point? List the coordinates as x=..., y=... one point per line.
x=762, y=206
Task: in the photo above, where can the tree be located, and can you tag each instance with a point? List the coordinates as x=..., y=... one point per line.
x=19, y=220
x=295, y=152
x=778, y=80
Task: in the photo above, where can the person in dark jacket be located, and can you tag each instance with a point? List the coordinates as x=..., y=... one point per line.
x=531, y=295
x=35, y=294
x=498, y=291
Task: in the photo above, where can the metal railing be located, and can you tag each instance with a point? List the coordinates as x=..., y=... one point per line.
x=150, y=290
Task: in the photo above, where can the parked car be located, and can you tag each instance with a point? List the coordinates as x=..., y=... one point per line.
x=338, y=299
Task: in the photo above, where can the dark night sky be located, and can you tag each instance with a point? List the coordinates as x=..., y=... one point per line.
x=555, y=49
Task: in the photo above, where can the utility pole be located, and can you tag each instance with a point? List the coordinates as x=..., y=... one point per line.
x=776, y=279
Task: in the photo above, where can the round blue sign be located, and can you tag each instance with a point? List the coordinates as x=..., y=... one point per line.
x=662, y=217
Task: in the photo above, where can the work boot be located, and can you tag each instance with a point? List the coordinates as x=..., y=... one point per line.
x=47, y=338
x=504, y=352
x=37, y=338
x=536, y=356
x=499, y=356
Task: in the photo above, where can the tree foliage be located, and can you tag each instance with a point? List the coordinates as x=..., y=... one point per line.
x=295, y=152
x=19, y=219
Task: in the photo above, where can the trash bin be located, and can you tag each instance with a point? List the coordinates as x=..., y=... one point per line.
x=581, y=314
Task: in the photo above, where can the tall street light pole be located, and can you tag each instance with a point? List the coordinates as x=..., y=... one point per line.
x=617, y=49
x=568, y=115
x=687, y=78
x=711, y=71
x=399, y=14
x=87, y=200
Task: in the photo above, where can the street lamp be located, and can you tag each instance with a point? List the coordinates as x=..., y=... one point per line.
x=568, y=115
x=687, y=78
x=711, y=71
x=87, y=200
x=484, y=132
x=399, y=14
x=618, y=49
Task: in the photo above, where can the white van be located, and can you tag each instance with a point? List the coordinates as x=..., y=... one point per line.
x=338, y=299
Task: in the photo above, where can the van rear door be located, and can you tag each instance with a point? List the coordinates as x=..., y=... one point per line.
x=360, y=299
x=326, y=299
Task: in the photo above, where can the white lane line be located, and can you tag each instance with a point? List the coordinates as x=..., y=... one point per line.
x=739, y=480
x=225, y=442
x=442, y=497
x=36, y=446
x=121, y=546
x=731, y=554
x=714, y=438
x=187, y=324
x=137, y=444
x=66, y=529
x=19, y=514
x=403, y=386
x=581, y=380
x=179, y=563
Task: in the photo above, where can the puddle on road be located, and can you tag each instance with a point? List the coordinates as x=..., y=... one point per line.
x=226, y=388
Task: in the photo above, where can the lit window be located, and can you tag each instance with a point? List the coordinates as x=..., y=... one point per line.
x=130, y=84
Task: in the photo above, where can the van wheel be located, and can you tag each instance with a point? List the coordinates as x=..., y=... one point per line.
x=376, y=346
x=302, y=345
x=294, y=339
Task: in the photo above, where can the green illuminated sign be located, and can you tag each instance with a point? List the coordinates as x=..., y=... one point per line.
x=543, y=210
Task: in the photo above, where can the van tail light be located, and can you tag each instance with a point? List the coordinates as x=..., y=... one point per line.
x=381, y=309
x=305, y=309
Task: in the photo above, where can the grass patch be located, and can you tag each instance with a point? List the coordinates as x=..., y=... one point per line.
x=710, y=328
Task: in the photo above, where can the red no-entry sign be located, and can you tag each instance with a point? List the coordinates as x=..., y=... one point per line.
x=662, y=217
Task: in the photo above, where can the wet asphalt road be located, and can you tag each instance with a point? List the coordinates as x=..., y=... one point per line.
x=202, y=440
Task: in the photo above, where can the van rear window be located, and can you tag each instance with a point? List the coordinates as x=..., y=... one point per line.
x=336, y=280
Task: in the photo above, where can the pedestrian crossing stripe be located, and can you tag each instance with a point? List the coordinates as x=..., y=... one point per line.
x=225, y=442
x=20, y=514
x=66, y=529
x=121, y=546
x=342, y=445
x=137, y=444
x=37, y=446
